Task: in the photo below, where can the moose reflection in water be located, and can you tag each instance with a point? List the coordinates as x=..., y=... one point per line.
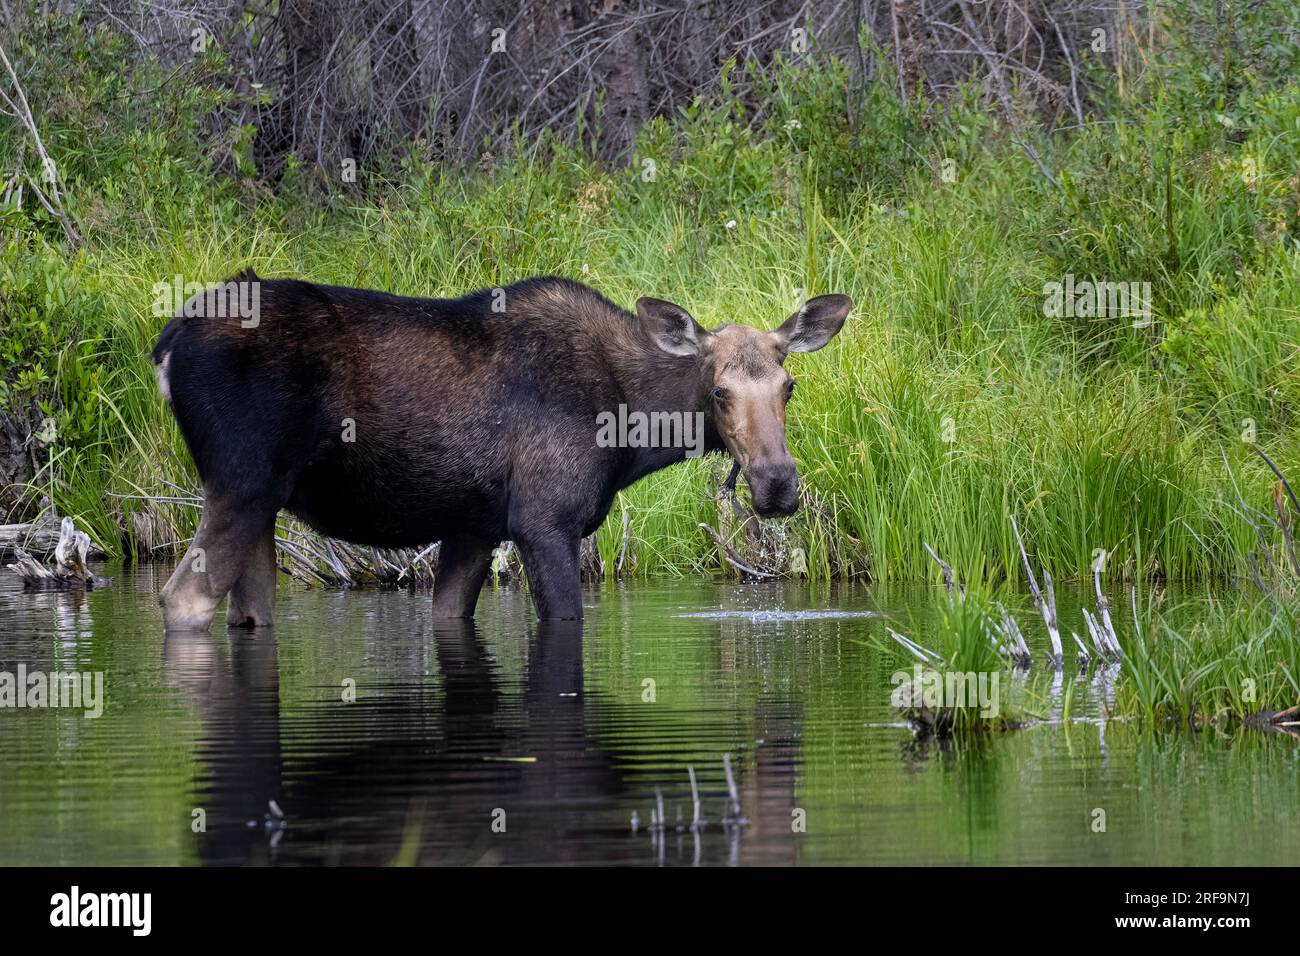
x=471, y=768
x=449, y=725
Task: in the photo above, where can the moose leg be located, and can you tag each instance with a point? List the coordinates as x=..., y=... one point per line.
x=551, y=564
x=462, y=568
x=216, y=558
x=252, y=599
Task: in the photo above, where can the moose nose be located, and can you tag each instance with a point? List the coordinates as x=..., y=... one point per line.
x=774, y=488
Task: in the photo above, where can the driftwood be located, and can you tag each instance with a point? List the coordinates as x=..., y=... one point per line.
x=1013, y=641
x=946, y=568
x=70, y=568
x=923, y=654
x=1285, y=721
x=1009, y=639
x=1046, y=606
x=732, y=558
x=1103, y=614
x=39, y=538
x=1104, y=640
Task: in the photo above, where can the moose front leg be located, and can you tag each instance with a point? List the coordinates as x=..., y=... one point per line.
x=551, y=564
x=230, y=533
x=252, y=598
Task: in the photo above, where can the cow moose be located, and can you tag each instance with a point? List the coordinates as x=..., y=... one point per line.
x=395, y=422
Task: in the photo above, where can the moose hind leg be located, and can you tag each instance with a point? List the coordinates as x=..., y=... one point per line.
x=215, y=560
x=462, y=568
x=252, y=599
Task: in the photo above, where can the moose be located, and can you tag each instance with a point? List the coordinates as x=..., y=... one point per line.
x=395, y=422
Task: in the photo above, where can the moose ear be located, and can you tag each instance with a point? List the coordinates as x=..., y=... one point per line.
x=815, y=323
x=670, y=326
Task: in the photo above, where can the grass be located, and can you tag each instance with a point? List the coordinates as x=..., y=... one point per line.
x=1237, y=656
x=950, y=401
x=979, y=693
x=1211, y=660
x=935, y=414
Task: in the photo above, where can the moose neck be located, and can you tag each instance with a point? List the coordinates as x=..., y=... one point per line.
x=657, y=383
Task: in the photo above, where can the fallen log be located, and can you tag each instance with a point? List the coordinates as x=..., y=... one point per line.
x=38, y=538
x=69, y=570
x=1284, y=721
x=35, y=537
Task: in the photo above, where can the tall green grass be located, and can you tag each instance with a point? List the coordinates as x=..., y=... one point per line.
x=1231, y=659
x=949, y=402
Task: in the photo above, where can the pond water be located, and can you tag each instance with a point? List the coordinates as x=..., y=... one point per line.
x=505, y=743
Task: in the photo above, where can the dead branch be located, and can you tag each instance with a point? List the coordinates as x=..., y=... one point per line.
x=19, y=109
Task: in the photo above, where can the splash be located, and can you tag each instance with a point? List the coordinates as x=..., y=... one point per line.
x=763, y=617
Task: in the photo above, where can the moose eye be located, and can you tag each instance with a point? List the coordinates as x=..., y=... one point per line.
x=719, y=394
